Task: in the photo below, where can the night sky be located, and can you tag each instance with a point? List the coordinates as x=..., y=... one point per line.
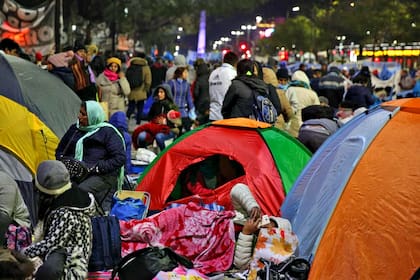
x=221, y=27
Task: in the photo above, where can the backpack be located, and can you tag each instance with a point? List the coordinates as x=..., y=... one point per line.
x=106, y=243
x=263, y=109
x=134, y=75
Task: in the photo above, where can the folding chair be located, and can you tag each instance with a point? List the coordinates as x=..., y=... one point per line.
x=144, y=196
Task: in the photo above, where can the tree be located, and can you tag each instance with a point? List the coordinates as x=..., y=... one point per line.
x=146, y=19
x=296, y=33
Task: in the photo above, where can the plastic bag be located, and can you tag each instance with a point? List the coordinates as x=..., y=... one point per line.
x=146, y=263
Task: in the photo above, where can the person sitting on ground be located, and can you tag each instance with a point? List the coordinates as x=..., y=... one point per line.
x=99, y=146
x=244, y=202
x=164, y=120
x=12, y=206
x=65, y=211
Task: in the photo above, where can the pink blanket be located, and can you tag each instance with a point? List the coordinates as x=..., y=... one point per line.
x=205, y=237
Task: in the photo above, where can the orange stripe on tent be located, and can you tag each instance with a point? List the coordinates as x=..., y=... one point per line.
x=242, y=122
x=375, y=229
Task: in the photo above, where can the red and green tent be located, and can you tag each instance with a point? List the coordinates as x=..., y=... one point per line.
x=270, y=161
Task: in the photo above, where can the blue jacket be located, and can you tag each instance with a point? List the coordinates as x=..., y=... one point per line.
x=104, y=149
x=119, y=120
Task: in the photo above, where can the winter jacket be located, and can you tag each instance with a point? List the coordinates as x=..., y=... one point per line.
x=181, y=93
x=332, y=86
x=219, y=82
x=158, y=71
x=11, y=201
x=243, y=202
x=113, y=92
x=140, y=93
x=239, y=97
x=201, y=89
x=68, y=226
x=103, y=149
x=119, y=120
x=360, y=95
x=286, y=112
x=300, y=91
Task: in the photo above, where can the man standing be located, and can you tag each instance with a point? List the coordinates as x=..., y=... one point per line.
x=219, y=82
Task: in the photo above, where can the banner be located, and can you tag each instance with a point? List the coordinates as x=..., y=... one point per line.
x=31, y=27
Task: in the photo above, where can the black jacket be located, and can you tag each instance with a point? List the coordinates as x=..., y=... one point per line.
x=239, y=97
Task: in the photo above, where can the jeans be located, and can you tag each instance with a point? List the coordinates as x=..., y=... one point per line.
x=159, y=137
x=132, y=107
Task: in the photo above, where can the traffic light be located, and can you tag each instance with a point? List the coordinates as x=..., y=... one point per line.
x=243, y=47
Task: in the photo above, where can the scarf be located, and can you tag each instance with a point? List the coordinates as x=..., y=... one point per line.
x=299, y=84
x=112, y=76
x=96, y=120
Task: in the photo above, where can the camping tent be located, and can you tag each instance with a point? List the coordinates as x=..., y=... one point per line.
x=36, y=109
x=355, y=207
x=270, y=160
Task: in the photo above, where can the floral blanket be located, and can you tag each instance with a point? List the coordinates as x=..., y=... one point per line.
x=205, y=237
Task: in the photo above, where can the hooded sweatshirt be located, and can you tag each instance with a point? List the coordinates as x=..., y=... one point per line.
x=300, y=91
x=118, y=119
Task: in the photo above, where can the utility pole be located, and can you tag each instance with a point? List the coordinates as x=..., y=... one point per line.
x=57, y=25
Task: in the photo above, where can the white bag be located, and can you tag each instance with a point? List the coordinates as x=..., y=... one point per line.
x=145, y=155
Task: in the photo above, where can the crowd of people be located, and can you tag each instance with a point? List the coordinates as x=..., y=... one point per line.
x=94, y=155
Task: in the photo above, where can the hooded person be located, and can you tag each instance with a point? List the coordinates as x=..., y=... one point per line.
x=119, y=120
x=286, y=112
x=179, y=61
x=66, y=212
x=159, y=127
x=300, y=96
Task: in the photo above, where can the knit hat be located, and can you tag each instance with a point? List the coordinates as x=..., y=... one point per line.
x=113, y=60
x=52, y=177
x=92, y=49
x=282, y=73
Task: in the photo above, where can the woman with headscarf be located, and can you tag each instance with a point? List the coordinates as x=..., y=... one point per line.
x=113, y=86
x=100, y=147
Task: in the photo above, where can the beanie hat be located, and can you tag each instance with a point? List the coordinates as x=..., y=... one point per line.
x=92, y=49
x=282, y=73
x=113, y=60
x=180, y=60
x=52, y=177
